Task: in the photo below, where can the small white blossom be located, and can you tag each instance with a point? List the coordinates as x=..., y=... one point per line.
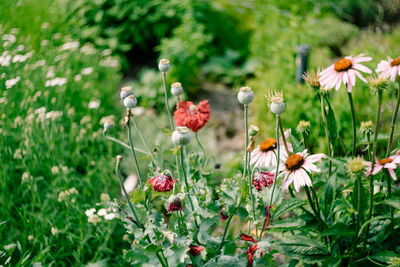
x=102, y=212
x=90, y=212
x=55, y=82
x=87, y=71
x=94, y=104
x=12, y=82
x=70, y=46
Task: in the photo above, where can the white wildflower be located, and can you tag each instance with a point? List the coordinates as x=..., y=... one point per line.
x=90, y=212
x=56, y=82
x=10, y=83
x=110, y=216
x=102, y=212
x=105, y=197
x=70, y=46
x=55, y=170
x=54, y=231
x=94, y=104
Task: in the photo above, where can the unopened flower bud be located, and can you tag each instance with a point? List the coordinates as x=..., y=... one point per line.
x=174, y=204
x=377, y=84
x=277, y=105
x=312, y=79
x=125, y=92
x=163, y=65
x=176, y=89
x=355, y=165
x=224, y=214
x=367, y=128
x=109, y=124
x=130, y=102
x=245, y=95
x=253, y=130
x=303, y=127
x=251, y=146
x=181, y=136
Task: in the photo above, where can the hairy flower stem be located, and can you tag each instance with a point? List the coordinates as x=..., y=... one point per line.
x=353, y=117
x=371, y=177
x=328, y=142
x=304, y=140
x=201, y=147
x=283, y=138
x=187, y=185
x=225, y=231
x=369, y=146
x=166, y=101
x=133, y=149
x=357, y=226
x=278, y=147
x=252, y=199
x=115, y=140
x=392, y=126
x=143, y=140
x=246, y=107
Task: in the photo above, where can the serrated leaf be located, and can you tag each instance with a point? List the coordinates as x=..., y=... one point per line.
x=286, y=206
x=394, y=202
x=328, y=196
x=304, y=248
x=242, y=213
x=297, y=147
x=287, y=224
x=339, y=229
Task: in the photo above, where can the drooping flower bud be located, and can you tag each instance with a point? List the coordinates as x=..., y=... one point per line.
x=108, y=124
x=174, y=204
x=181, y=136
x=304, y=127
x=195, y=250
x=162, y=183
x=176, y=89
x=367, y=128
x=355, y=165
x=163, y=65
x=277, y=104
x=245, y=95
x=125, y=92
x=253, y=130
x=130, y=102
x=224, y=214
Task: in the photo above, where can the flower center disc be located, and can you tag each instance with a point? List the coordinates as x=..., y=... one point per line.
x=343, y=64
x=384, y=161
x=268, y=144
x=395, y=62
x=294, y=162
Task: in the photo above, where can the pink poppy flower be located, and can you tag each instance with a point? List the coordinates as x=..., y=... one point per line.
x=389, y=68
x=388, y=163
x=296, y=169
x=162, y=183
x=192, y=116
x=264, y=155
x=263, y=179
x=344, y=70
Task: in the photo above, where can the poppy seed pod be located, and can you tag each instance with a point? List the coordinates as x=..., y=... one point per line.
x=176, y=89
x=163, y=65
x=277, y=107
x=125, y=92
x=181, y=136
x=130, y=102
x=245, y=95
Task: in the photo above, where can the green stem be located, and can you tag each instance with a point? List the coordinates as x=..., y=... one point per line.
x=276, y=171
x=225, y=231
x=121, y=183
x=187, y=185
x=371, y=181
x=328, y=142
x=123, y=144
x=252, y=199
x=316, y=214
x=353, y=117
x=143, y=140
x=369, y=146
x=133, y=150
x=301, y=207
x=304, y=140
x=394, y=118
x=316, y=200
x=166, y=101
x=357, y=226
x=283, y=138
x=247, y=140
x=201, y=147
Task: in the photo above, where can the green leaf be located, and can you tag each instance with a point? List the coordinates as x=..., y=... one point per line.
x=339, y=229
x=297, y=147
x=332, y=125
x=205, y=227
x=394, y=202
x=304, y=248
x=359, y=195
x=384, y=256
x=286, y=206
x=242, y=213
x=287, y=224
x=328, y=196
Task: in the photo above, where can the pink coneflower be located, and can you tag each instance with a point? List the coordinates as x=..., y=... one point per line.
x=296, y=169
x=263, y=179
x=264, y=155
x=344, y=70
x=389, y=68
x=192, y=116
x=388, y=163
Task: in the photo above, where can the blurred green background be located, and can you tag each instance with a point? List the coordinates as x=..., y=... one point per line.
x=72, y=56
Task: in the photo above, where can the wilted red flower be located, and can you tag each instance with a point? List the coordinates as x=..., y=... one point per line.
x=263, y=179
x=162, y=183
x=174, y=204
x=249, y=238
x=192, y=116
x=267, y=216
x=250, y=254
x=224, y=214
x=195, y=250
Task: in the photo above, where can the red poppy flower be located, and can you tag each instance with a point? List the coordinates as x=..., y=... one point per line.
x=250, y=254
x=174, y=204
x=267, y=216
x=224, y=214
x=248, y=238
x=192, y=116
x=162, y=183
x=263, y=179
x=195, y=250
